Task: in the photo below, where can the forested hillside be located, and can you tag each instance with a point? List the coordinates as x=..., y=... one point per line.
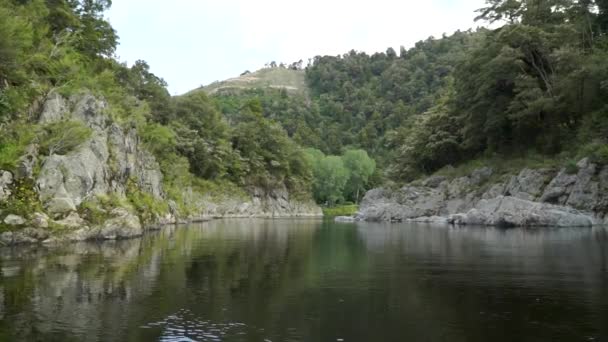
x=537, y=86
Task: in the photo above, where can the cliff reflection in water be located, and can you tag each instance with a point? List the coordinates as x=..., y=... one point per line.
x=310, y=280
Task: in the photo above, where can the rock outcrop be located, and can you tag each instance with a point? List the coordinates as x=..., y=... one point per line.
x=273, y=203
x=541, y=197
x=101, y=165
x=111, y=161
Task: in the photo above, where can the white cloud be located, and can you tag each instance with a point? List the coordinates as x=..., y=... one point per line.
x=193, y=42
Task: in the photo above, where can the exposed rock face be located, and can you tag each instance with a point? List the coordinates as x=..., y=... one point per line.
x=101, y=165
x=531, y=198
x=515, y=212
x=274, y=203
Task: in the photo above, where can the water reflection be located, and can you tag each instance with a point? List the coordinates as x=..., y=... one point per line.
x=309, y=280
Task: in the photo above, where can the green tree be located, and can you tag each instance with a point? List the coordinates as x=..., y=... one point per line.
x=330, y=180
x=360, y=167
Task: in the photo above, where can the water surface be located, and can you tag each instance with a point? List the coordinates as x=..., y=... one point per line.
x=312, y=280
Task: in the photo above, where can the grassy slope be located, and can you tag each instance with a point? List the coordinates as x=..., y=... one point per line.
x=292, y=80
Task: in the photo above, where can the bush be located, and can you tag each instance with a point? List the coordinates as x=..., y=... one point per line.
x=597, y=152
x=147, y=207
x=23, y=200
x=13, y=142
x=343, y=210
x=63, y=137
x=97, y=210
x=571, y=167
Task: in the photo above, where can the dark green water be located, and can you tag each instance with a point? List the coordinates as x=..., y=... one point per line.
x=307, y=280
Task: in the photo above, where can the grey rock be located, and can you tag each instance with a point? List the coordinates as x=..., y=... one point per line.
x=273, y=203
x=39, y=220
x=515, y=212
x=481, y=175
x=90, y=110
x=345, y=219
x=6, y=179
x=27, y=162
x=60, y=205
x=103, y=164
x=122, y=225
x=14, y=220
x=55, y=109
x=406, y=203
x=72, y=221
x=584, y=193
x=528, y=184
x=434, y=181
x=431, y=219
x=494, y=191
x=531, y=193
x=6, y=238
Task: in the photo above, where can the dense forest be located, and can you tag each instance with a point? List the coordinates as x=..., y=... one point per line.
x=537, y=85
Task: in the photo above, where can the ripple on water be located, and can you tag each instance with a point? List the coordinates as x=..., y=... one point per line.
x=184, y=326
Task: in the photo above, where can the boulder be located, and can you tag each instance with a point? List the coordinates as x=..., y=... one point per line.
x=6, y=180
x=72, y=221
x=14, y=220
x=39, y=220
x=27, y=163
x=122, y=225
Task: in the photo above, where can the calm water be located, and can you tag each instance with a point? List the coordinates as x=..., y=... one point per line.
x=307, y=280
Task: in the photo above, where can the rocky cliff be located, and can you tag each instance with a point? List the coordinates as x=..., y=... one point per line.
x=542, y=197
x=111, y=162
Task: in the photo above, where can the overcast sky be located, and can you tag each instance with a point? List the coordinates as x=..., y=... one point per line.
x=195, y=42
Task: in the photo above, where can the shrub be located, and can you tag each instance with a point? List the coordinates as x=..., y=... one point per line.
x=13, y=142
x=597, y=152
x=97, y=210
x=63, y=137
x=571, y=167
x=23, y=200
x=343, y=210
x=147, y=207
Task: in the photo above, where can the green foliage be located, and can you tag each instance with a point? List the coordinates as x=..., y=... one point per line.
x=571, y=167
x=13, y=143
x=147, y=207
x=339, y=178
x=596, y=151
x=97, y=210
x=63, y=137
x=23, y=200
x=341, y=210
x=360, y=167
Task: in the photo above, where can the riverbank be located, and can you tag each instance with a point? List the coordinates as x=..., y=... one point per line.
x=532, y=198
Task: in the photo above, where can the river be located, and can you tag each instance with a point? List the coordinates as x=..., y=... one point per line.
x=311, y=280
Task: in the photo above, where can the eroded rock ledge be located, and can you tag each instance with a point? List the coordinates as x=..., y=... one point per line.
x=533, y=198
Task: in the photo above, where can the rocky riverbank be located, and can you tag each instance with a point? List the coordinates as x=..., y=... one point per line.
x=57, y=194
x=532, y=198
